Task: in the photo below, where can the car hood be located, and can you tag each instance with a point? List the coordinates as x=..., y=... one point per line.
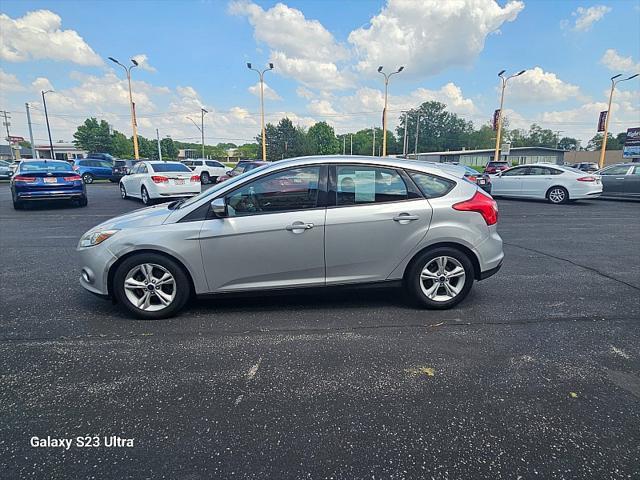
x=144, y=217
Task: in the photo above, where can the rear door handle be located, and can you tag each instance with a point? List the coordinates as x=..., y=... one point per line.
x=405, y=218
x=299, y=227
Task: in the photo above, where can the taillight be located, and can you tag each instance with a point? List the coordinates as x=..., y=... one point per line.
x=159, y=179
x=73, y=178
x=473, y=178
x=195, y=178
x=482, y=204
x=25, y=179
x=586, y=179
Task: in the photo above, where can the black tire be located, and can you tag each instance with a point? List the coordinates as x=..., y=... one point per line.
x=213, y=180
x=18, y=205
x=413, y=281
x=123, y=192
x=87, y=178
x=144, y=195
x=182, y=285
x=557, y=195
x=83, y=202
x=205, y=178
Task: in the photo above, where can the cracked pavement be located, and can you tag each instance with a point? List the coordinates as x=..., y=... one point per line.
x=535, y=375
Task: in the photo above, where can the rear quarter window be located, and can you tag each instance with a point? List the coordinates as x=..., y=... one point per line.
x=432, y=186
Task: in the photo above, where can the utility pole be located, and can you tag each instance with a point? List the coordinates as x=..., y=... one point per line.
x=503, y=81
x=344, y=144
x=405, y=145
x=159, y=148
x=46, y=116
x=373, y=148
x=6, y=123
x=202, y=113
x=33, y=146
x=384, y=112
x=134, y=122
x=415, y=150
x=351, y=142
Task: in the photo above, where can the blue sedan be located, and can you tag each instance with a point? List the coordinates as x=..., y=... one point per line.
x=42, y=180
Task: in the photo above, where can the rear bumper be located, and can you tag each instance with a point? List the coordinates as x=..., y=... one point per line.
x=490, y=272
x=51, y=195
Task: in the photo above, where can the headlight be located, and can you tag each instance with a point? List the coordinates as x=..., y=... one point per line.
x=92, y=239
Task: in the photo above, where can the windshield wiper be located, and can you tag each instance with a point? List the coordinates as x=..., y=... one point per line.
x=175, y=204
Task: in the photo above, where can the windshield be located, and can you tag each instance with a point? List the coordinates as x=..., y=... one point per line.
x=45, y=167
x=218, y=186
x=169, y=167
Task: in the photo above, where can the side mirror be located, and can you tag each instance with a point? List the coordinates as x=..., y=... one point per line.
x=219, y=207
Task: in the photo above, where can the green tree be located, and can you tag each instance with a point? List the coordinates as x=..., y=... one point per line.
x=93, y=136
x=122, y=146
x=249, y=151
x=484, y=137
x=169, y=149
x=613, y=143
x=284, y=140
x=569, y=143
x=322, y=139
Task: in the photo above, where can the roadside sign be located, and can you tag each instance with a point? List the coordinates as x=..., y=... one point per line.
x=496, y=115
x=14, y=139
x=601, y=121
x=505, y=149
x=631, y=146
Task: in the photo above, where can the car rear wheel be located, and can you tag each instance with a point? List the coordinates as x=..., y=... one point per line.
x=558, y=195
x=83, y=202
x=87, y=178
x=204, y=178
x=123, y=192
x=440, y=278
x=146, y=199
x=151, y=286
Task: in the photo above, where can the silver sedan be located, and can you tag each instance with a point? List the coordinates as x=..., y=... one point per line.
x=305, y=222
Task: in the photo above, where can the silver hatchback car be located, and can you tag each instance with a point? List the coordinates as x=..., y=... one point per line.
x=303, y=222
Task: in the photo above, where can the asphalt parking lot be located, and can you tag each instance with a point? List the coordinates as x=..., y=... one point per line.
x=535, y=375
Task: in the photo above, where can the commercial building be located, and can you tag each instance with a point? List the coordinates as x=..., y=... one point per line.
x=517, y=155
x=62, y=151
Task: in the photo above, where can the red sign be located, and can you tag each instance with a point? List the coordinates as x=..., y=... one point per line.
x=12, y=139
x=602, y=120
x=496, y=117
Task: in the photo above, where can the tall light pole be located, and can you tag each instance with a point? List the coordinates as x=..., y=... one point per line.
x=504, y=81
x=33, y=145
x=134, y=123
x=614, y=82
x=46, y=116
x=264, y=135
x=384, y=112
x=202, y=114
x=415, y=151
x=405, y=145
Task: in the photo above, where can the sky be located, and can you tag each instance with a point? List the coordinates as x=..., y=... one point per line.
x=193, y=54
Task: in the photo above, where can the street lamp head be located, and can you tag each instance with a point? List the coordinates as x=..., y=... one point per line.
x=113, y=60
x=380, y=69
x=501, y=73
x=400, y=69
x=270, y=66
x=520, y=73
x=135, y=63
x=249, y=65
x=632, y=76
x=203, y=110
x=47, y=91
x=616, y=76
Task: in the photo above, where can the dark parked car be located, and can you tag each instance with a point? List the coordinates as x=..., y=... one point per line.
x=586, y=166
x=621, y=180
x=121, y=168
x=495, y=167
x=91, y=169
x=481, y=179
x=38, y=180
x=241, y=168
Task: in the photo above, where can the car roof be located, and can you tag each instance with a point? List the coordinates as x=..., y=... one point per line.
x=42, y=160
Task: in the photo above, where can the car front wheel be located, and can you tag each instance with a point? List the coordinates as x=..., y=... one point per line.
x=440, y=278
x=151, y=286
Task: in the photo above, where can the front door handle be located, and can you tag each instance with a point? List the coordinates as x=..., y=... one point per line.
x=299, y=227
x=405, y=218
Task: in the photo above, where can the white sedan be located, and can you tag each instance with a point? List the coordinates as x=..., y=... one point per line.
x=555, y=183
x=151, y=181
x=209, y=170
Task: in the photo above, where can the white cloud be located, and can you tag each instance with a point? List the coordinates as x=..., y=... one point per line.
x=9, y=82
x=430, y=35
x=321, y=107
x=312, y=73
x=616, y=62
x=304, y=93
x=269, y=93
x=286, y=29
x=143, y=62
x=38, y=35
x=586, y=17
x=536, y=85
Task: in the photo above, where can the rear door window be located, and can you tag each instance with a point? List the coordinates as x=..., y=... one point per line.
x=357, y=185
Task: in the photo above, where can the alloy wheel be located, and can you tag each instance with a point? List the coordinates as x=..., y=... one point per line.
x=123, y=192
x=557, y=195
x=442, y=278
x=145, y=196
x=150, y=287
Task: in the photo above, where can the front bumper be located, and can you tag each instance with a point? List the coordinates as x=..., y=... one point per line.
x=95, y=263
